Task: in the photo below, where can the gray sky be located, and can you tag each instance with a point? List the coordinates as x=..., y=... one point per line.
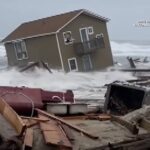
x=123, y=14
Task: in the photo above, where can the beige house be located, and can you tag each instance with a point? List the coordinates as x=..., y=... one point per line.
x=73, y=41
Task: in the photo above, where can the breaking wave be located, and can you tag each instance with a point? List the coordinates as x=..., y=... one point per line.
x=84, y=85
x=130, y=49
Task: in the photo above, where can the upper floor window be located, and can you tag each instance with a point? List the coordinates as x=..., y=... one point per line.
x=101, y=35
x=100, y=40
x=90, y=30
x=20, y=49
x=67, y=37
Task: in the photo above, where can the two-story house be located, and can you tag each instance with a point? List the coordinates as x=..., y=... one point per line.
x=73, y=41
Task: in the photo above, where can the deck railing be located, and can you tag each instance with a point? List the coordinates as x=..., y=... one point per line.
x=87, y=47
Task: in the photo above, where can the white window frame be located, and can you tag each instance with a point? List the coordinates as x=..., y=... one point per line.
x=86, y=33
x=73, y=58
x=67, y=43
x=100, y=35
x=16, y=51
x=92, y=30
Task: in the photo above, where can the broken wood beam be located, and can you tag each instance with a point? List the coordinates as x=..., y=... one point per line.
x=68, y=132
x=30, y=123
x=66, y=123
x=28, y=139
x=104, y=117
x=34, y=64
x=46, y=66
x=12, y=117
x=75, y=117
x=132, y=128
x=53, y=134
x=34, y=118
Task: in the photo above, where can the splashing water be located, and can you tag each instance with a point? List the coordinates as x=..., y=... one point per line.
x=84, y=85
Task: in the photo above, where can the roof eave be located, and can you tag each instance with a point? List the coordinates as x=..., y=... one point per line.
x=95, y=15
x=88, y=13
x=29, y=37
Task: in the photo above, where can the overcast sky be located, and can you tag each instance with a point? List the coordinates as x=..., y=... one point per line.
x=123, y=14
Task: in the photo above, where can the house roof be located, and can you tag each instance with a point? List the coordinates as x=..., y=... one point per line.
x=46, y=26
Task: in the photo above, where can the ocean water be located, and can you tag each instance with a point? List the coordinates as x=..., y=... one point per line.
x=84, y=85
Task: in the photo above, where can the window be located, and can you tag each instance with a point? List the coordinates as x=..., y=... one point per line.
x=72, y=64
x=90, y=30
x=101, y=35
x=67, y=37
x=21, y=51
x=100, y=40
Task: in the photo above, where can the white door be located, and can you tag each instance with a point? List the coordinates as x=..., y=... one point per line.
x=87, y=64
x=84, y=34
x=84, y=38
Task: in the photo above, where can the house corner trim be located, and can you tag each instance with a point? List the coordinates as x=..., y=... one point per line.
x=60, y=54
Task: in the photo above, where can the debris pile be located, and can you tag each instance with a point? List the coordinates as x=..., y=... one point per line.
x=126, y=126
x=90, y=131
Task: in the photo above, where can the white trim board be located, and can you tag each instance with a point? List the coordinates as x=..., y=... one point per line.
x=59, y=51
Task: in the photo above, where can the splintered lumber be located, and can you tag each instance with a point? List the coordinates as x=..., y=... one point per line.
x=135, y=70
x=28, y=139
x=100, y=117
x=103, y=117
x=75, y=117
x=12, y=117
x=68, y=132
x=53, y=133
x=132, y=128
x=35, y=118
x=35, y=64
x=30, y=123
x=66, y=123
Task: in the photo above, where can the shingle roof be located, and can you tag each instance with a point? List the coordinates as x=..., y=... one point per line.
x=44, y=26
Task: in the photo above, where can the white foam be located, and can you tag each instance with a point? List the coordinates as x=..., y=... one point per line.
x=128, y=49
x=84, y=85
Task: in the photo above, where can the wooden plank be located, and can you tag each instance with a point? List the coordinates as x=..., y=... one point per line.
x=75, y=117
x=53, y=133
x=66, y=123
x=12, y=117
x=104, y=117
x=28, y=139
x=30, y=123
x=68, y=132
x=34, y=118
x=132, y=128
